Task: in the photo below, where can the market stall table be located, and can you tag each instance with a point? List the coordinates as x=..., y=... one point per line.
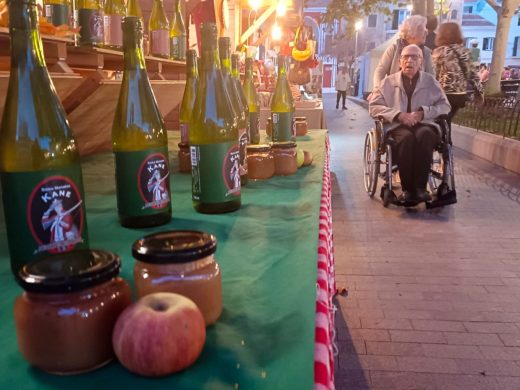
x=277, y=273
x=315, y=116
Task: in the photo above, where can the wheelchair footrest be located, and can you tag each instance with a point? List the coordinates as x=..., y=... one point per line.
x=448, y=198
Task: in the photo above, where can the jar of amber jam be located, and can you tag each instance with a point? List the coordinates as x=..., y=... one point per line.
x=184, y=158
x=300, y=123
x=285, y=162
x=181, y=262
x=65, y=317
x=260, y=162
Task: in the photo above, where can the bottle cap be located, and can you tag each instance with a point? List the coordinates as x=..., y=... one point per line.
x=174, y=246
x=70, y=271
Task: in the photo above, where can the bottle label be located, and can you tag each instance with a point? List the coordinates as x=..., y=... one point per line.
x=113, y=30
x=91, y=23
x=283, y=126
x=143, y=182
x=57, y=14
x=185, y=133
x=242, y=144
x=215, y=172
x=178, y=48
x=254, y=128
x=44, y=213
x=160, y=45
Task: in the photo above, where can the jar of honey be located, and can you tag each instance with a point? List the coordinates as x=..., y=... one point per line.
x=65, y=317
x=181, y=262
x=285, y=162
x=260, y=162
x=184, y=158
x=300, y=123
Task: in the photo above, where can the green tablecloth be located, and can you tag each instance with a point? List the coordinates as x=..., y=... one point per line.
x=267, y=252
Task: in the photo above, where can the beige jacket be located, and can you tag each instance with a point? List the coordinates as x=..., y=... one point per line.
x=390, y=98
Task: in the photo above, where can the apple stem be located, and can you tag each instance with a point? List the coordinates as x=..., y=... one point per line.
x=159, y=306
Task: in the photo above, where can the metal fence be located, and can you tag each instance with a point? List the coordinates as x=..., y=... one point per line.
x=498, y=115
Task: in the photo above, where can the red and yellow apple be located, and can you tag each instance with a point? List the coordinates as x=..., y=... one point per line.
x=160, y=334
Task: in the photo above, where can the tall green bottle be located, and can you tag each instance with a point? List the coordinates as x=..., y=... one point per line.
x=253, y=104
x=224, y=48
x=282, y=106
x=159, y=31
x=57, y=12
x=177, y=34
x=235, y=77
x=214, y=136
x=114, y=12
x=90, y=20
x=42, y=184
x=134, y=9
x=188, y=98
x=140, y=141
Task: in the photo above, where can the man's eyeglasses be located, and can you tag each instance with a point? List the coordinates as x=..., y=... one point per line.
x=413, y=57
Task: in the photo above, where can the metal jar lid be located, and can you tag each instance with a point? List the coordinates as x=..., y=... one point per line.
x=174, y=246
x=68, y=272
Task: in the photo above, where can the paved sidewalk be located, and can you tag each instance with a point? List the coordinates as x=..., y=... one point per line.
x=433, y=295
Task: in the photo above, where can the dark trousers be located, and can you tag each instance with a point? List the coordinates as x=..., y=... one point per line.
x=412, y=152
x=343, y=95
x=457, y=101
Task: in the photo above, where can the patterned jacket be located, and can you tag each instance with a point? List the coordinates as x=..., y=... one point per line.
x=454, y=70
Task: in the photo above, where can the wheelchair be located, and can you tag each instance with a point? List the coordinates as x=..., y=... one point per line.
x=377, y=164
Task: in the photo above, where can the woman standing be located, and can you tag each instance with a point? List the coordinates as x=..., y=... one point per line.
x=453, y=68
x=412, y=31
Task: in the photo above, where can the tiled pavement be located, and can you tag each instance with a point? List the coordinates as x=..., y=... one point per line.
x=433, y=295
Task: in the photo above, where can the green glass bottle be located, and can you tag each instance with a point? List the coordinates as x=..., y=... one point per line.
x=177, y=34
x=188, y=98
x=159, y=31
x=235, y=77
x=134, y=9
x=140, y=141
x=215, y=155
x=57, y=12
x=114, y=12
x=90, y=20
x=42, y=184
x=224, y=47
x=282, y=106
x=253, y=104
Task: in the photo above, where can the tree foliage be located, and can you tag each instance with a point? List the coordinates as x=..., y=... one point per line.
x=505, y=13
x=353, y=10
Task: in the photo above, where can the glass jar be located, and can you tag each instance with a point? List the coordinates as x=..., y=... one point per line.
x=65, y=317
x=260, y=162
x=181, y=262
x=184, y=158
x=300, y=123
x=285, y=162
x=269, y=127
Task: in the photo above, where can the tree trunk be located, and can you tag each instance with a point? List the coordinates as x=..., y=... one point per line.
x=419, y=7
x=504, y=16
x=430, y=8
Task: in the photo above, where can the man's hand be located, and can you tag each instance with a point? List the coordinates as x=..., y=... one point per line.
x=407, y=118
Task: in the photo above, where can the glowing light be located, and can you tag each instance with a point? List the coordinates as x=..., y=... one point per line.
x=409, y=7
x=276, y=33
x=281, y=8
x=358, y=25
x=255, y=4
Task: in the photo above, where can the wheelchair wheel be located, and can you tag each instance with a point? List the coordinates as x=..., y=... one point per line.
x=371, y=163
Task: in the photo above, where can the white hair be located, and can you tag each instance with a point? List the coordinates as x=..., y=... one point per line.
x=414, y=26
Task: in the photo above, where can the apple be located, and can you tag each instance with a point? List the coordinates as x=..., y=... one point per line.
x=160, y=334
x=299, y=157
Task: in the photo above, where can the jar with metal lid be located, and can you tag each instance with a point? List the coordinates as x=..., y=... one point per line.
x=65, y=317
x=184, y=158
x=181, y=262
x=260, y=162
x=300, y=123
x=285, y=162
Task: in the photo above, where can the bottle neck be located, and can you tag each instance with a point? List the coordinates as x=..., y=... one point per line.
x=210, y=59
x=26, y=44
x=133, y=52
x=281, y=70
x=177, y=6
x=134, y=9
x=192, y=71
x=225, y=62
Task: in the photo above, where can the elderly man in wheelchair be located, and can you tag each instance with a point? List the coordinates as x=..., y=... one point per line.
x=411, y=135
